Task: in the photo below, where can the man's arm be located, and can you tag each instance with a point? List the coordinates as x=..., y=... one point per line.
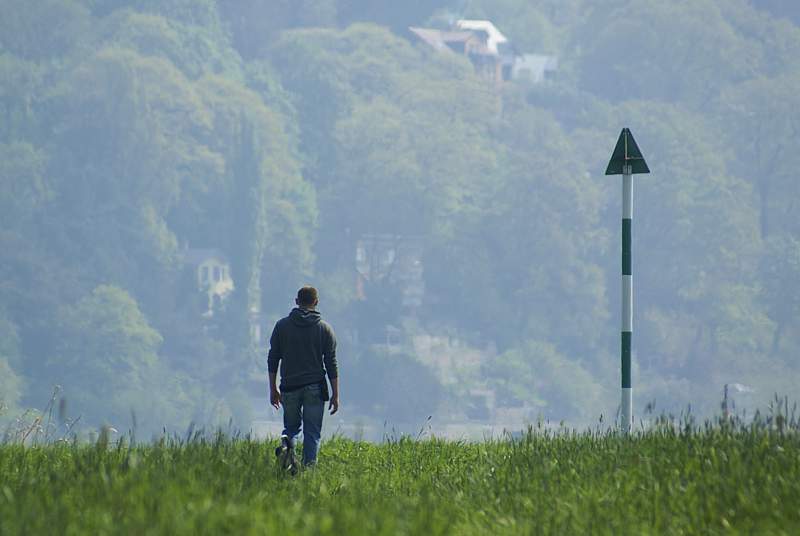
x=334, y=405
x=273, y=358
x=332, y=368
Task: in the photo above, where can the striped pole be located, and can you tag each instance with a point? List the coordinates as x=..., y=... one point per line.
x=626, y=160
x=626, y=421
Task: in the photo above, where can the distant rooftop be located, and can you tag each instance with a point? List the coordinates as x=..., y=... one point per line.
x=491, y=53
x=495, y=36
x=438, y=39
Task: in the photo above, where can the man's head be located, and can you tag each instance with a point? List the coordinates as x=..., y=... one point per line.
x=307, y=297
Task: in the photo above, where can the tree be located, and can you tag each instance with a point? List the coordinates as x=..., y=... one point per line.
x=763, y=123
x=684, y=51
x=107, y=362
x=42, y=30
x=256, y=24
x=535, y=374
x=261, y=208
x=780, y=272
x=194, y=43
x=396, y=141
x=529, y=241
x=21, y=92
x=23, y=183
x=130, y=133
x=380, y=384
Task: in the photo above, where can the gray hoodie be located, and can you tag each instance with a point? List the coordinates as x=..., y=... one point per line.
x=305, y=347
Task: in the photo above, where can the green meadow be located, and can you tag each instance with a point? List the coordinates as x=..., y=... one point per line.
x=670, y=479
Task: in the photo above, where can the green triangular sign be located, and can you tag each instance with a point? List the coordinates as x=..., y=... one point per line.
x=626, y=152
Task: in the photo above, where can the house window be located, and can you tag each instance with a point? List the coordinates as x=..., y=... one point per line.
x=217, y=273
x=204, y=274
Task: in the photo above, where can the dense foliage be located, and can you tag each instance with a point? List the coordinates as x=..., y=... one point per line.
x=283, y=133
x=739, y=480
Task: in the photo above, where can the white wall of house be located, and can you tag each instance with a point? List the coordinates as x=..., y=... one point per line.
x=214, y=277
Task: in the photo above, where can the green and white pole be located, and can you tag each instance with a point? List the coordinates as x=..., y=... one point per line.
x=626, y=160
x=626, y=417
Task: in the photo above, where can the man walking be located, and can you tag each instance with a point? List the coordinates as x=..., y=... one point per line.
x=305, y=347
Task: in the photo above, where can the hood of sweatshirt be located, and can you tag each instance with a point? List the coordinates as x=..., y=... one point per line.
x=304, y=317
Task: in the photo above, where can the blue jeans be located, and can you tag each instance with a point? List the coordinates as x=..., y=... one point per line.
x=304, y=408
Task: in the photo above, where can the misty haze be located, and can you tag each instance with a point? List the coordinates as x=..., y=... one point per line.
x=172, y=171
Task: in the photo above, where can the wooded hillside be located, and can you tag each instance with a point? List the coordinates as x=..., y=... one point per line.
x=319, y=142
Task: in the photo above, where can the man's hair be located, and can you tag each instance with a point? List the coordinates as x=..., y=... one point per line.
x=307, y=296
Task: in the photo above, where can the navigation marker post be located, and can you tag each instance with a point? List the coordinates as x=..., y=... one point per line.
x=626, y=160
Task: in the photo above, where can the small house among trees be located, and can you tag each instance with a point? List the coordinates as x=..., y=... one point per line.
x=491, y=53
x=213, y=275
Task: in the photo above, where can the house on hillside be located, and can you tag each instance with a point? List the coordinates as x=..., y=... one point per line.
x=495, y=57
x=212, y=272
x=491, y=53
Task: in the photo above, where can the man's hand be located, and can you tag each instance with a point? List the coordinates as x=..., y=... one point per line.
x=275, y=398
x=334, y=405
x=274, y=394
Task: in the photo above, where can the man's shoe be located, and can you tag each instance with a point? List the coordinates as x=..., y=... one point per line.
x=287, y=461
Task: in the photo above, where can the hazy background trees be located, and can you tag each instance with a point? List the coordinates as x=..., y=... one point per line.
x=287, y=135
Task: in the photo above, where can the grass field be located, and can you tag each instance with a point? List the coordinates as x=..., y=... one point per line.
x=671, y=480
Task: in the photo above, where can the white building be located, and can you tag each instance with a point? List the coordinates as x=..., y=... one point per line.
x=212, y=271
x=491, y=53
